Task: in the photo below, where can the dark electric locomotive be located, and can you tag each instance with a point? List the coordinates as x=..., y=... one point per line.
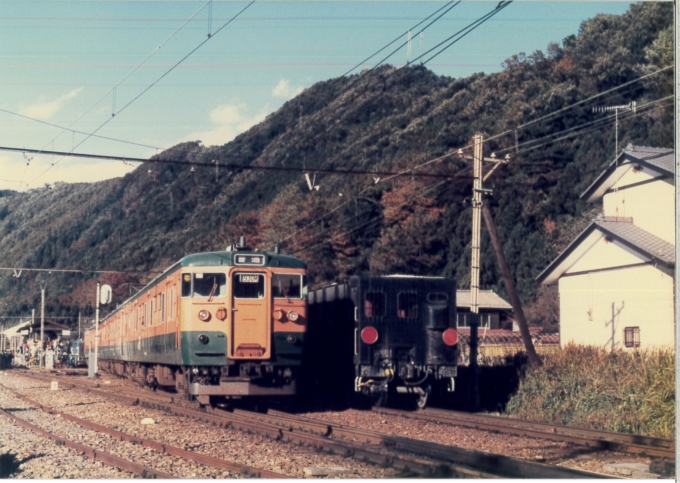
x=214, y=325
x=395, y=333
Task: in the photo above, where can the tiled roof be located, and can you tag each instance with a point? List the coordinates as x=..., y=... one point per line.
x=486, y=299
x=662, y=158
x=621, y=230
x=659, y=160
x=650, y=245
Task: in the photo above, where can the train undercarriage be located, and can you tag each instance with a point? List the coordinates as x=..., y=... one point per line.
x=209, y=385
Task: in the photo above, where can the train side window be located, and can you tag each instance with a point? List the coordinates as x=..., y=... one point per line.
x=437, y=297
x=286, y=285
x=374, y=304
x=152, y=309
x=186, y=285
x=144, y=315
x=162, y=307
x=407, y=306
x=211, y=285
x=172, y=297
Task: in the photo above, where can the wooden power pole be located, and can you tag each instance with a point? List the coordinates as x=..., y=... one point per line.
x=534, y=359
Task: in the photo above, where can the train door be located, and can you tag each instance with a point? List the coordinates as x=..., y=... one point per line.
x=251, y=321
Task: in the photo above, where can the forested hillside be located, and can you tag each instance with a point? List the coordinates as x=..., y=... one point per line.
x=390, y=119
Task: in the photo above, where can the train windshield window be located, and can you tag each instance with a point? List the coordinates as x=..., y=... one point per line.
x=437, y=297
x=407, y=306
x=286, y=285
x=210, y=285
x=186, y=285
x=374, y=304
x=248, y=285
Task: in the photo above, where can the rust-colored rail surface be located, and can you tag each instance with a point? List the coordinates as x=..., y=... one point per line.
x=413, y=457
x=607, y=440
x=162, y=448
x=97, y=455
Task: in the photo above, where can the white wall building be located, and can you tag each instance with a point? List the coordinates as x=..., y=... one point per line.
x=616, y=278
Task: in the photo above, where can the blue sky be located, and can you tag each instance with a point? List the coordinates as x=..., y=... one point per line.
x=59, y=57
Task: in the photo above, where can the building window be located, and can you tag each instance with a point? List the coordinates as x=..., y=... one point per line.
x=631, y=336
x=463, y=320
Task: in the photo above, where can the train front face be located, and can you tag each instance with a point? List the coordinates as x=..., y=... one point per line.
x=405, y=335
x=244, y=318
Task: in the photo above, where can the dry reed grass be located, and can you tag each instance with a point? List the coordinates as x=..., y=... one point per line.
x=629, y=392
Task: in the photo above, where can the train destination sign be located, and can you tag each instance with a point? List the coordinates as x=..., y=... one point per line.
x=249, y=260
x=250, y=278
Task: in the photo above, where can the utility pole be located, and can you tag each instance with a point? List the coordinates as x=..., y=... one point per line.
x=96, y=330
x=534, y=359
x=43, y=284
x=474, y=269
x=79, y=324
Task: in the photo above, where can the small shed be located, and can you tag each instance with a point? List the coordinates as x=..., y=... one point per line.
x=494, y=312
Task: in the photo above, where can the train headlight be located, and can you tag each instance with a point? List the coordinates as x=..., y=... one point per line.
x=292, y=316
x=204, y=315
x=450, y=337
x=292, y=339
x=369, y=335
x=203, y=339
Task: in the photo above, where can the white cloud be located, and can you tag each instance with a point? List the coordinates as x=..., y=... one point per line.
x=13, y=169
x=284, y=90
x=45, y=109
x=231, y=121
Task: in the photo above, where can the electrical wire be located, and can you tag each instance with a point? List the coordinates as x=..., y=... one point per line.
x=150, y=86
x=370, y=222
x=230, y=166
x=401, y=35
x=64, y=270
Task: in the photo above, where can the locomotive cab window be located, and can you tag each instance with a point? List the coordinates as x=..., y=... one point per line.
x=204, y=285
x=407, y=306
x=374, y=304
x=289, y=285
x=248, y=285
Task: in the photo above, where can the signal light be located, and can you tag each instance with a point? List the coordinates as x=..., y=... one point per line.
x=450, y=337
x=292, y=339
x=369, y=335
x=204, y=315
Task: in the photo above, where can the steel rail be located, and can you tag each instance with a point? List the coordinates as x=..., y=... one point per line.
x=497, y=465
x=377, y=448
x=162, y=448
x=606, y=440
x=368, y=453
x=95, y=454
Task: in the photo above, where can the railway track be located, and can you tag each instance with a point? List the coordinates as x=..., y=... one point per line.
x=122, y=463
x=412, y=457
x=607, y=440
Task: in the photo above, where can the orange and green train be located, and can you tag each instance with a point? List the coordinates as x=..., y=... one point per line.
x=213, y=325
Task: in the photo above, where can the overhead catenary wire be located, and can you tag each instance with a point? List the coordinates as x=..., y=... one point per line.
x=151, y=85
x=76, y=270
x=112, y=91
x=229, y=166
x=400, y=36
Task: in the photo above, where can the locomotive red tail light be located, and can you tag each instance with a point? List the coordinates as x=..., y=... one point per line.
x=369, y=335
x=204, y=315
x=450, y=337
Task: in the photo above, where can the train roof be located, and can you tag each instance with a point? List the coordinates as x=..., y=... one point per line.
x=242, y=257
